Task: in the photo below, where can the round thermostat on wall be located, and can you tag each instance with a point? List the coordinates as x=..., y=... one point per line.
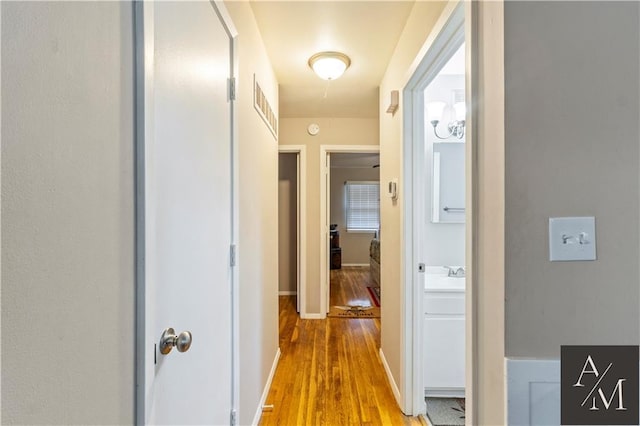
x=313, y=129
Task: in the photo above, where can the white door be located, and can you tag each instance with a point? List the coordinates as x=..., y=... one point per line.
x=298, y=233
x=327, y=233
x=187, y=213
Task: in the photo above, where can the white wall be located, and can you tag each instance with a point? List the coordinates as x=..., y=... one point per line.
x=423, y=17
x=258, y=240
x=287, y=222
x=445, y=241
x=67, y=213
x=333, y=131
x=355, y=245
x=68, y=219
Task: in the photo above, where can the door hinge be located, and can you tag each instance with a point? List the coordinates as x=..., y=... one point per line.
x=232, y=89
x=232, y=253
x=233, y=418
x=421, y=267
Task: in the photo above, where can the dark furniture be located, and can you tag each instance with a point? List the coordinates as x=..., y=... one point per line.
x=336, y=251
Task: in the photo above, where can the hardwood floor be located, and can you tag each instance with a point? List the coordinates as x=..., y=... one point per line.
x=349, y=286
x=329, y=371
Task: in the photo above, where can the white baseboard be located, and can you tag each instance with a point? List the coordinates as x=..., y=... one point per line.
x=354, y=264
x=392, y=382
x=533, y=392
x=425, y=419
x=287, y=293
x=444, y=392
x=313, y=316
x=267, y=387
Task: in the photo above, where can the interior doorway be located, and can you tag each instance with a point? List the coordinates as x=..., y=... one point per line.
x=354, y=212
x=292, y=220
x=364, y=158
x=289, y=226
x=354, y=225
x=438, y=155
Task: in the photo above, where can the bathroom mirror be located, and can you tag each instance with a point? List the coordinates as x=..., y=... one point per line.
x=448, y=183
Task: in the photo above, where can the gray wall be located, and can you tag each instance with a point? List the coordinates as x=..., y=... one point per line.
x=355, y=245
x=287, y=222
x=571, y=71
x=67, y=213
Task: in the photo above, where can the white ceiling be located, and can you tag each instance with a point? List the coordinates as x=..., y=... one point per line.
x=366, y=31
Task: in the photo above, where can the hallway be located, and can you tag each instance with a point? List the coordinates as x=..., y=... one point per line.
x=329, y=372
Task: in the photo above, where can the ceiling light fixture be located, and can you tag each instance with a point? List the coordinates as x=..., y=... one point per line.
x=329, y=65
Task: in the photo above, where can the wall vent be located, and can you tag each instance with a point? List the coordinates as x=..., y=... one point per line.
x=263, y=107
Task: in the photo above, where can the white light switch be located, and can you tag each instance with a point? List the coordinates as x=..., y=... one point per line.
x=572, y=238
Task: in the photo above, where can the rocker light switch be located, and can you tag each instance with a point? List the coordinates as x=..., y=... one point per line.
x=572, y=238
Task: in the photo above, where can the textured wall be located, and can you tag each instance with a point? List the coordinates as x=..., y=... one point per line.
x=67, y=213
x=572, y=107
x=258, y=242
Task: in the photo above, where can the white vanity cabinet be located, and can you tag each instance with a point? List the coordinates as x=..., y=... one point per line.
x=444, y=337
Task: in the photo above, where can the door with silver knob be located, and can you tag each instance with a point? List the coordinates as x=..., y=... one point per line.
x=185, y=59
x=169, y=340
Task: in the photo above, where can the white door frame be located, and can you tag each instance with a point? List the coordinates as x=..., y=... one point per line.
x=144, y=90
x=446, y=38
x=301, y=151
x=325, y=174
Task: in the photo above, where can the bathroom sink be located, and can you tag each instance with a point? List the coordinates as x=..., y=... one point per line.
x=442, y=282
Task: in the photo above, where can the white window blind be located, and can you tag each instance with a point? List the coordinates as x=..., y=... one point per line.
x=363, y=206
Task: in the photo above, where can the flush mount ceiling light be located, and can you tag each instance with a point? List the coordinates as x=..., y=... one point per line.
x=329, y=65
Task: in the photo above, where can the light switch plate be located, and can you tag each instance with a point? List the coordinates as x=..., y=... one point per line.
x=572, y=238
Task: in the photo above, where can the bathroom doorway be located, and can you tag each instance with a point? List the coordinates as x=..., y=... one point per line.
x=437, y=159
x=443, y=246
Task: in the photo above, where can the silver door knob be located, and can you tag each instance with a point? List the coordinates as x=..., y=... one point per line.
x=168, y=340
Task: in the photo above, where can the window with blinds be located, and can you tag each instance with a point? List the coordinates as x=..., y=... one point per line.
x=363, y=206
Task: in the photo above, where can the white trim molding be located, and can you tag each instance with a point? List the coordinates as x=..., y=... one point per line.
x=533, y=392
x=267, y=387
x=392, y=382
x=314, y=316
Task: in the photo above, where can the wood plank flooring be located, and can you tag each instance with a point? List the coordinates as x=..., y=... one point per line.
x=329, y=371
x=349, y=286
